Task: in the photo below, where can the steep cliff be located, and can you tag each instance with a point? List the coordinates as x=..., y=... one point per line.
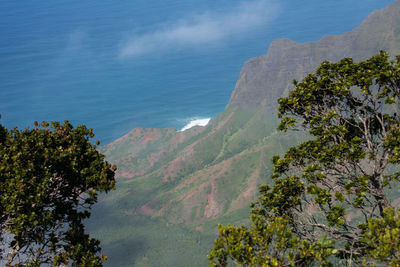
x=209, y=174
x=201, y=173
x=263, y=79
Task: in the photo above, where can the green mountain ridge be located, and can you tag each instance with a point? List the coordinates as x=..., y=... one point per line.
x=186, y=182
x=287, y=60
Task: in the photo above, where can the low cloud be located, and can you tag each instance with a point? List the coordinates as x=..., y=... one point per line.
x=202, y=29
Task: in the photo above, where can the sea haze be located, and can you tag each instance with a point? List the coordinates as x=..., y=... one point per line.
x=115, y=65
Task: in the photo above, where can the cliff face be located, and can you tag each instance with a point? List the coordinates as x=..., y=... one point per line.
x=263, y=79
x=204, y=173
x=196, y=178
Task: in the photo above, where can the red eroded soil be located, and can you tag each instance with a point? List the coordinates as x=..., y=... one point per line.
x=145, y=210
x=147, y=139
x=212, y=209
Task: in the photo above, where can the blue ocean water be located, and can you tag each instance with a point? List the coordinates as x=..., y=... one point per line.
x=115, y=65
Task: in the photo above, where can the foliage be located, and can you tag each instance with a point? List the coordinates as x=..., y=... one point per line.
x=333, y=199
x=49, y=179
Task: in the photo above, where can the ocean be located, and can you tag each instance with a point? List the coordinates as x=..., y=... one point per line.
x=116, y=65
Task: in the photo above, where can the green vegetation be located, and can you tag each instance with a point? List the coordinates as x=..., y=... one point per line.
x=169, y=186
x=137, y=240
x=332, y=198
x=49, y=179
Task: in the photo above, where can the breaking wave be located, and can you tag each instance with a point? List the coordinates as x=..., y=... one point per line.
x=197, y=122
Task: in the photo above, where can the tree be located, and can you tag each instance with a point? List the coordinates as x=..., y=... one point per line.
x=49, y=179
x=334, y=196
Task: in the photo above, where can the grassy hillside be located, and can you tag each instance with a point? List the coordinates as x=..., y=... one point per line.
x=174, y=187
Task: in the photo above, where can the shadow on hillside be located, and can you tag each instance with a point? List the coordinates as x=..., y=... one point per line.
x=124, y=252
